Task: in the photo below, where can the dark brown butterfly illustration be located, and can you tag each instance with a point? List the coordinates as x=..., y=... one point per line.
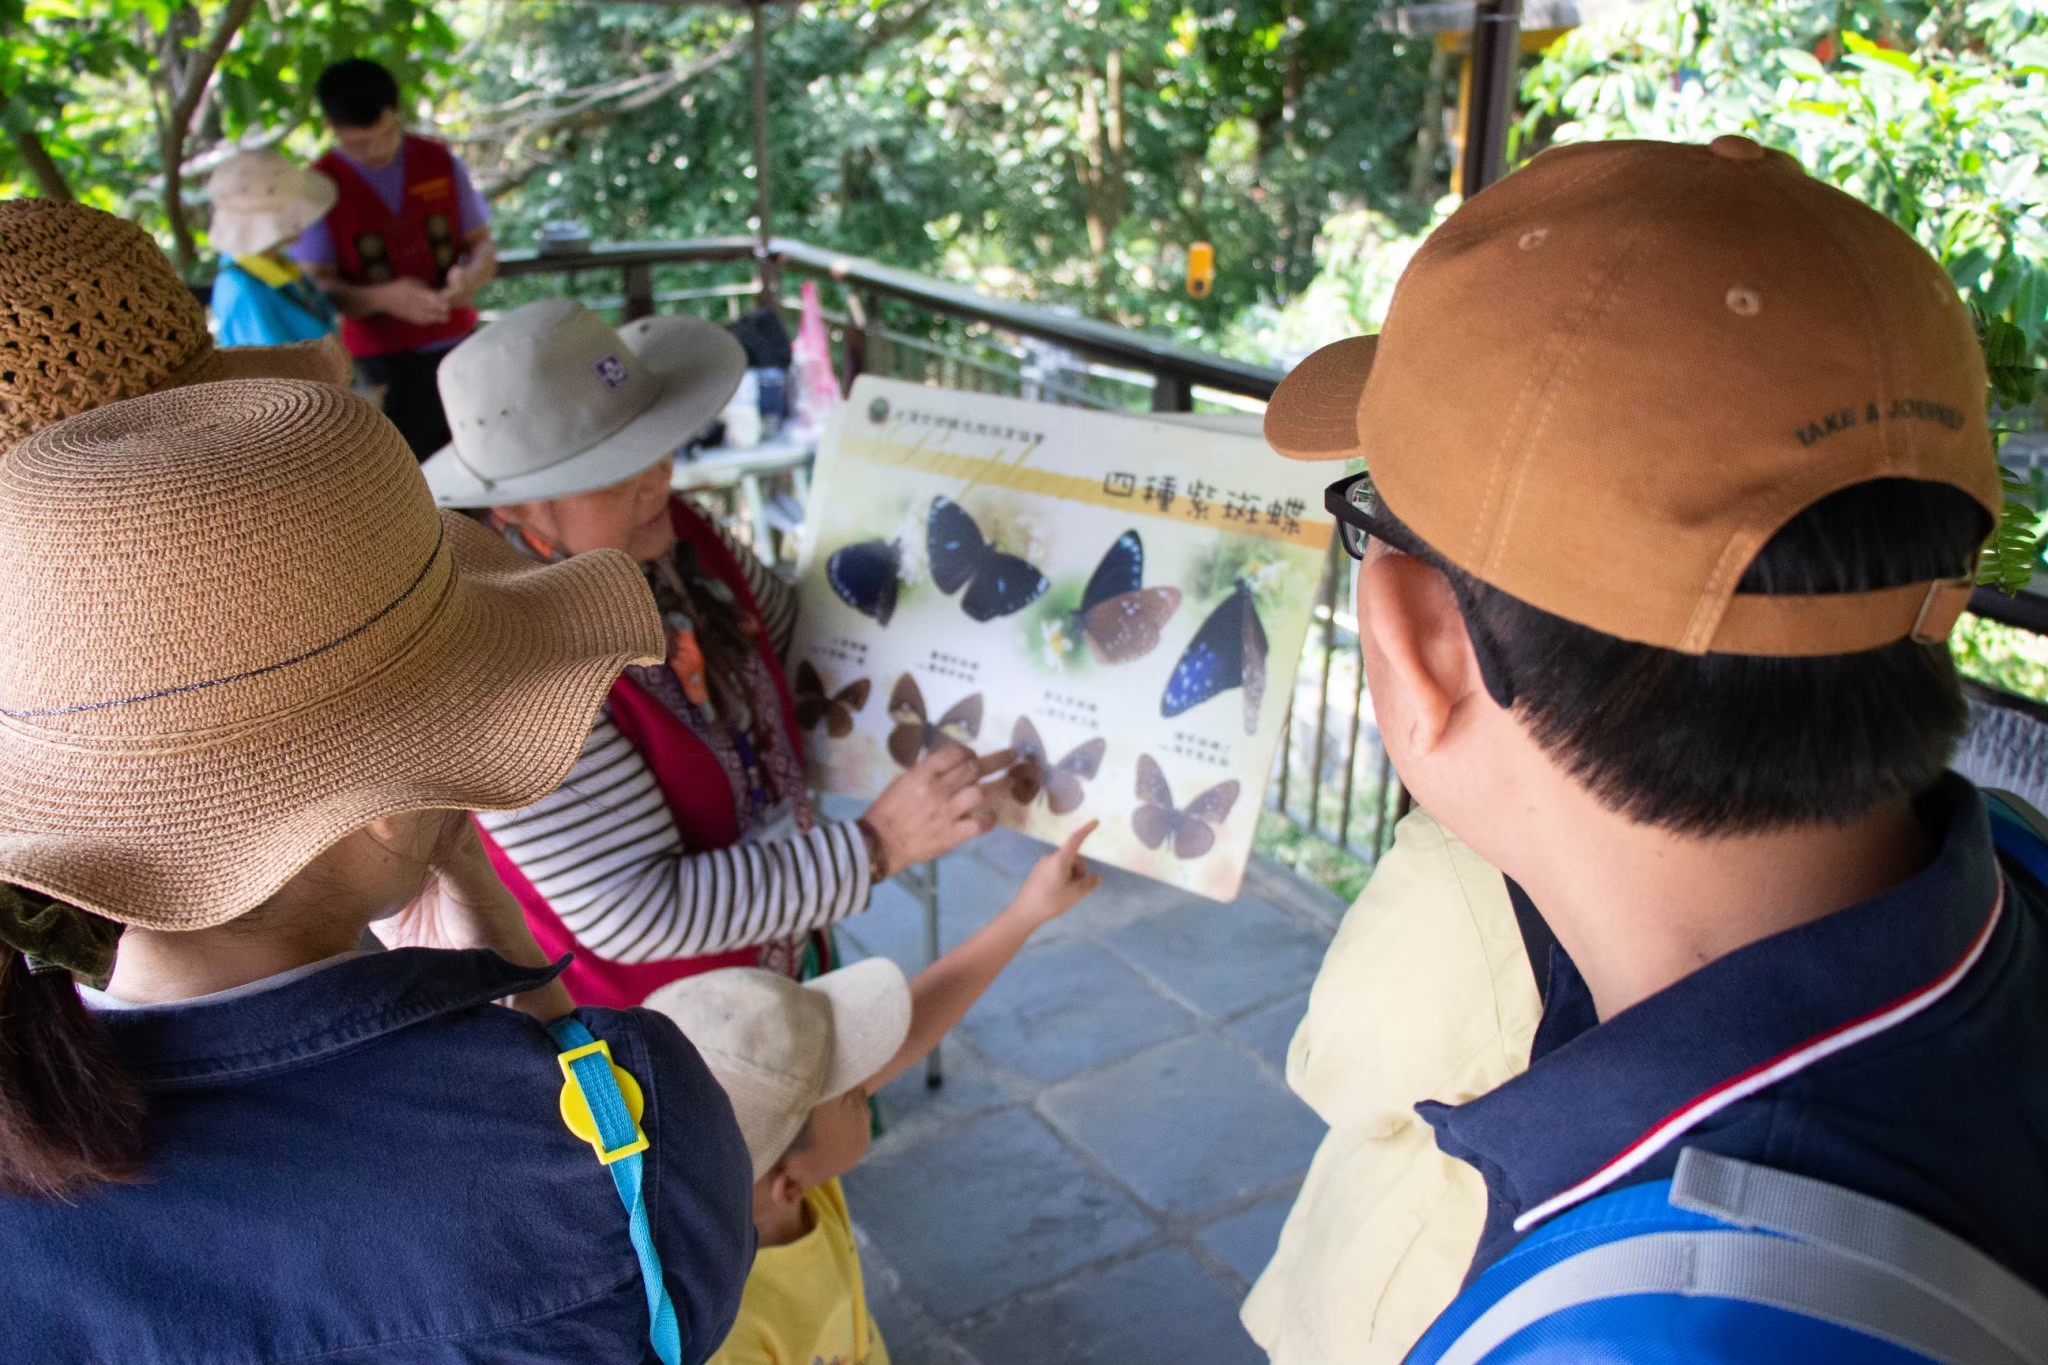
x=1062, y=781
x=916, y=736
x=1120, y=617
x=836, y=710
x=1193, y=827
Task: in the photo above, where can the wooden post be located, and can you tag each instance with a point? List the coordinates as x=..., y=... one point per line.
x=1495, y=50
x=1172, y=393
x=639, y=282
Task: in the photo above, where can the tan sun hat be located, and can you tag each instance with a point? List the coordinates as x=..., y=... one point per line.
x=263, y=199
x=233, y=629
x=91, y=312
x=1608, y=380
x=550, y=401
x=781, y=1049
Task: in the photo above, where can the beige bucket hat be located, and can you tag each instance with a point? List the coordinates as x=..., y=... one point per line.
x=262, y=199
x=781, y=1049
x=550, y=401
x=233, y=629
x=92, y=312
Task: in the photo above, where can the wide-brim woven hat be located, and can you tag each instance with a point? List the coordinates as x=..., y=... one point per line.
x=550, y=401
x=780, y=1049
x=92, y=312
x=263, y=199
x=234, y=629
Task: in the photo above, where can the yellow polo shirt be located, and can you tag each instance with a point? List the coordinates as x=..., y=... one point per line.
x=1426, y=993
x=804, y=1303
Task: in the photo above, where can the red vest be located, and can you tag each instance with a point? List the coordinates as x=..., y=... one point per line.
x=420, y=241
x=692, y=782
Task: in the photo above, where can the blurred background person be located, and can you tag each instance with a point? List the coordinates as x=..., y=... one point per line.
x=262, y=201
x=402, y=251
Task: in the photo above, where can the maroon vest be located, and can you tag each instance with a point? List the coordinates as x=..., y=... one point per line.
x=692, y=782
x=421, y=241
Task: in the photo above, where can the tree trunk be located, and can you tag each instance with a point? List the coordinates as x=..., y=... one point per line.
x=1090, y=168
x=1429, y=138
x=22, y=131
x=184, y=76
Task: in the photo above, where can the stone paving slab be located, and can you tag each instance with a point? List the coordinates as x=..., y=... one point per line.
x=1223, y=959
x=1161, y=1309
x=1066, y=1007
x=1109, y=1161
x=1191, y=1125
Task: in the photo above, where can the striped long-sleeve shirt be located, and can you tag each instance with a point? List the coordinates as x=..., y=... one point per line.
x=605, y=852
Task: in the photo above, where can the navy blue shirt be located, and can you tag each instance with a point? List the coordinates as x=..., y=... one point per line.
x=1943, y=1113
x=368, y=1164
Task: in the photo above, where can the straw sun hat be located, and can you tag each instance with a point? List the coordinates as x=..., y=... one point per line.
x=233, y=629
x=92, y=312
x=550, y=401
x=262, y=199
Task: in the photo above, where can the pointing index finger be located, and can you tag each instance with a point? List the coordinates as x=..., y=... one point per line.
x=995, y=762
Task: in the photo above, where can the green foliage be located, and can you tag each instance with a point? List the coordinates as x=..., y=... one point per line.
x=2001, y=656
x=2015, y=549
x=1065, y=151
x=87, y=79
x=1937, y=115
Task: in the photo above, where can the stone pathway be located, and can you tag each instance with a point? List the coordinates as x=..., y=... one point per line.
x=1107, y=1165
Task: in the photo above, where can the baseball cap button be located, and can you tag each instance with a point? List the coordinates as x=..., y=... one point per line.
x=1735, y=148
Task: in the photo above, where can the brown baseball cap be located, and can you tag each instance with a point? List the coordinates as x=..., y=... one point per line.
x=1607, y=381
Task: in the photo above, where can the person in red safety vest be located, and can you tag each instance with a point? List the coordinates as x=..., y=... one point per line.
x=402, y=252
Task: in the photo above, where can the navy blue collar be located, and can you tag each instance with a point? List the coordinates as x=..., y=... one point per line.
x=302, y=1021
x=1596, y=1093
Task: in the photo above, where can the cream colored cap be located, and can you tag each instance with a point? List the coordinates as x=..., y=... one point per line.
x=550, y=401
x=1606, y=382
x=781, y=1049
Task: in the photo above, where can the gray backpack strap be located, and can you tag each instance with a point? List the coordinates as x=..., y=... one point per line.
x=1802, y=1246
x=1887, y=1238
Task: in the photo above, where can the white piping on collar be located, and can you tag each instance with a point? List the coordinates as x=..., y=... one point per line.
x=1768, y=1073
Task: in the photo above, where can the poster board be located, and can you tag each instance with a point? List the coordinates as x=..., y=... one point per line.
x=1123, y=598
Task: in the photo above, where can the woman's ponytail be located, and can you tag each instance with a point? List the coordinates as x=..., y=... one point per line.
x=70, y=1117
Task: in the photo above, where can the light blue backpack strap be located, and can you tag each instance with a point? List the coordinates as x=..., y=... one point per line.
x=605, y=1113
x=1750, y=1252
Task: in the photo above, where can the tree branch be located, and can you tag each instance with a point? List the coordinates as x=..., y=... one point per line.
x=34, y=154
x=186, y=88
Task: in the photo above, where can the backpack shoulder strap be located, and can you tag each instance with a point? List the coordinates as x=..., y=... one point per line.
x=2019, y=831
x=1779, y=1244
x=602, y=1104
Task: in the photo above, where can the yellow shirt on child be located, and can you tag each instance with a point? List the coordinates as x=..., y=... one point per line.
x=804, y=1303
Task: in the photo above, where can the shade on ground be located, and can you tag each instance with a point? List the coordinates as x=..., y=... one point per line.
x=1106, y=1168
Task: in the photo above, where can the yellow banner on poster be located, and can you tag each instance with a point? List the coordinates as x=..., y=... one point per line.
x=1195, y=503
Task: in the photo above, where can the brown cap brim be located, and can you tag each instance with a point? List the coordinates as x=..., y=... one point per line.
x=1314, y=412
x=321, y=360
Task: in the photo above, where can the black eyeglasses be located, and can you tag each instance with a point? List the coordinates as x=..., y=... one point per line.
x=1355, y=504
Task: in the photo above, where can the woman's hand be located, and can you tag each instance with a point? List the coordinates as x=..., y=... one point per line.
x=464, y=905
x=936, y=806
x=1057, y=882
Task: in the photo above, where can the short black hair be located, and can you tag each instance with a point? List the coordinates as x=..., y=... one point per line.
x=355, y=93
x=1730, y=743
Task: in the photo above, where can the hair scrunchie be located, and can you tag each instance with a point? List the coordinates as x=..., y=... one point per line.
x=55, y=936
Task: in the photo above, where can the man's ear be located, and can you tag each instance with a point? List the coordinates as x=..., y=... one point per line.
x=1413, y=623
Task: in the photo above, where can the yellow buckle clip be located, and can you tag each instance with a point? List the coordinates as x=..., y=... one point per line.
x=575, y=1104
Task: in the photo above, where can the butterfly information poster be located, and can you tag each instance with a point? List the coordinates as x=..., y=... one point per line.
x=1122, y=599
